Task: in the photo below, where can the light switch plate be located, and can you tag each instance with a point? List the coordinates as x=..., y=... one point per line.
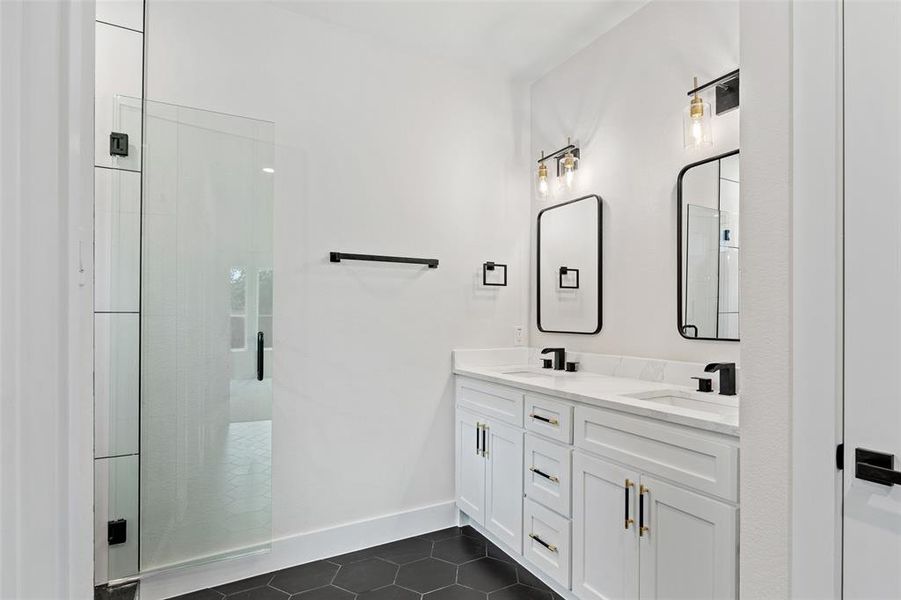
x=518, y=336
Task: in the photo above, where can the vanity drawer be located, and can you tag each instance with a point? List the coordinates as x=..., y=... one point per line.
x=497, y=401
x=704, y=463
x=548, y=473
x=546, y=541
x=549, y=417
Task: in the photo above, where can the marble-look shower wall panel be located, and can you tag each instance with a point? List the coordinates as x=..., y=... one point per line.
x=118, y=85
x=116, y=415
x=115, y=497
x=124, y=13
x=117, y=240
x=118, y=107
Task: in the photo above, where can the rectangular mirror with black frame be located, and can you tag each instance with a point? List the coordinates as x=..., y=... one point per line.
x=569, y=267
x=708, y=248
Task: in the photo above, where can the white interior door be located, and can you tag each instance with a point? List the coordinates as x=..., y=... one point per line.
x=872, y=511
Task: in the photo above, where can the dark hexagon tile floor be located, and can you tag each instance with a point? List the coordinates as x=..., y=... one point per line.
x=456, y=563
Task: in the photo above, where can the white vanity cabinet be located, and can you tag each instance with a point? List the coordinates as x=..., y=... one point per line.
x=635, y=536
x=489, y=451
x=638, y=536
x=606, y=503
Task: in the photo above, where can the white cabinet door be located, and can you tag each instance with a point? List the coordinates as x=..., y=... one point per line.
x=503, y=496
x=605, y=542
x=470, y=476
x=689, y=549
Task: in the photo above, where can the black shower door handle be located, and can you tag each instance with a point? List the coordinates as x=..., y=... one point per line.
x=260, y=356
x=876, y=467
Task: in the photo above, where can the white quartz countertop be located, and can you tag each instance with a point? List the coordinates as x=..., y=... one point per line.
x=657, y=400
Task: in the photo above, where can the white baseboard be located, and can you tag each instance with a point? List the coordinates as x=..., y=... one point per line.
x=299, y=549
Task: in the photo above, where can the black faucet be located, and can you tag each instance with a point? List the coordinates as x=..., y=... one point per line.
x=727, y=376
x=559, y=357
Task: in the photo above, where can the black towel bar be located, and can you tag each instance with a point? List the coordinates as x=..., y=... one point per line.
x=339, y=256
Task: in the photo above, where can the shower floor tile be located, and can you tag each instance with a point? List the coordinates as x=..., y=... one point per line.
x=457, y=563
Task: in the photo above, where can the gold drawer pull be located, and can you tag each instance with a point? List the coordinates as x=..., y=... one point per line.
x=628, y=519
x=642, y=528
x=550, y=547
x=550, y=421
x=545, y=475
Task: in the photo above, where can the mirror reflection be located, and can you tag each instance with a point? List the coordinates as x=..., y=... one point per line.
x=709, y=243
x=569, y=267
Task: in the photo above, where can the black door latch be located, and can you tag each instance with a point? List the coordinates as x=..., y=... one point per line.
x=876, y=467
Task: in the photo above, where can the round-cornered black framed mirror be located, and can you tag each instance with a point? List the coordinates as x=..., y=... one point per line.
x=569, y=282
x=708, y=244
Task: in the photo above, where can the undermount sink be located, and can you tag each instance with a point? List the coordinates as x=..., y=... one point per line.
x=684, y=400
x=526, y=373
x=547, y=374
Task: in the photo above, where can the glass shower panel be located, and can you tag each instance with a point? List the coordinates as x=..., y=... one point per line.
x=206, y=405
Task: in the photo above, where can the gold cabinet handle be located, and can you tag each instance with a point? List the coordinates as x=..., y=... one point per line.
x=548, y=420
x=628, y=485
x=541, y=473
x=550, y=547
x=642, y=528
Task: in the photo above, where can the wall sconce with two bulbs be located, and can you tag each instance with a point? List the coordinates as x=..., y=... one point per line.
x=567, y=159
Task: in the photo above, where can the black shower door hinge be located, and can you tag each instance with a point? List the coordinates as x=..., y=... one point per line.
x=118, y=144
x=116, y=532
x=840, y=457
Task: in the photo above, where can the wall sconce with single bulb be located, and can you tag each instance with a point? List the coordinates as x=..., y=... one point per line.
x=696, y=128
x=696, y=125
x=567, y=159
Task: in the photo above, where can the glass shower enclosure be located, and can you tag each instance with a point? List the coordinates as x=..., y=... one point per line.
x=205, y=336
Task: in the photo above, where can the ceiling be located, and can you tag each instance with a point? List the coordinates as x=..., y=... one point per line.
x=521, y=40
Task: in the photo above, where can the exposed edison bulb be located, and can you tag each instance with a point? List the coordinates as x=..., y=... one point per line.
x=696, y=122
x=569, y=169
x=543, y=187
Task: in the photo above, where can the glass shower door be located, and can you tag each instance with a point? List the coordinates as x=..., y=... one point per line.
x=206, y=336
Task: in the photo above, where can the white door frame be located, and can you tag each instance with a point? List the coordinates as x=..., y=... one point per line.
x=46, y=362
x=817, y=290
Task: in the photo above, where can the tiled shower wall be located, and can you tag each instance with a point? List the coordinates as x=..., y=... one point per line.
x=118, y=93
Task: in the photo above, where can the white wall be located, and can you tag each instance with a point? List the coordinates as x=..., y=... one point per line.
x=621, y=99
x=46, y=69
x=377, y=151
x=766, y=323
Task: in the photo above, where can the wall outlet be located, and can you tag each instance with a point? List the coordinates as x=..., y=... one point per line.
x=519, y=336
